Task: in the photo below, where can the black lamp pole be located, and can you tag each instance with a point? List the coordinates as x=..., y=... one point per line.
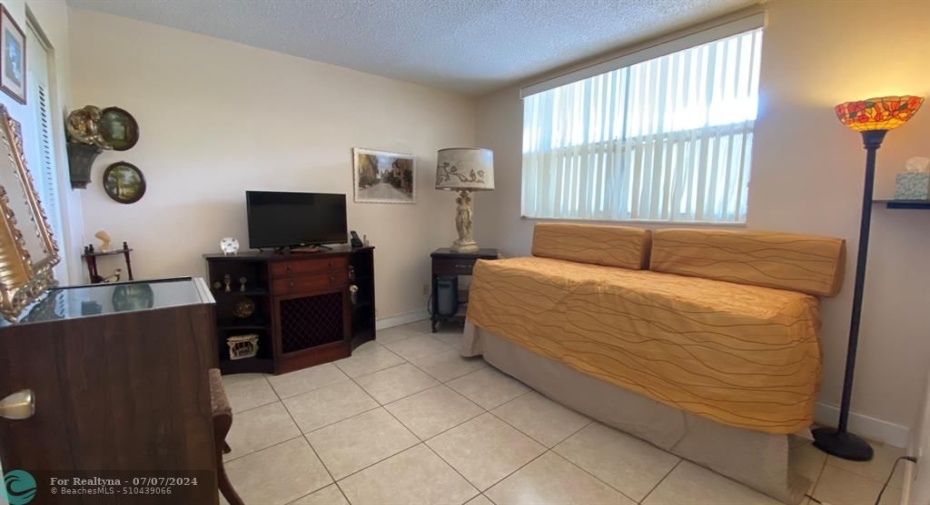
x=839, y=442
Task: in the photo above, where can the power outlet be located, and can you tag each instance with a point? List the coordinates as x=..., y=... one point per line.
x=425, y=289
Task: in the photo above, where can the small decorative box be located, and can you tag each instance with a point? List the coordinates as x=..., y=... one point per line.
x=915, y=183
x=912, y=186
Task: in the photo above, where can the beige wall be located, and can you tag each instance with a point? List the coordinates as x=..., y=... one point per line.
x=807, y=177
x=218, y=118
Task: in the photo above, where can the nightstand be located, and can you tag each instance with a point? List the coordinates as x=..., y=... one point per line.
x=447, y=267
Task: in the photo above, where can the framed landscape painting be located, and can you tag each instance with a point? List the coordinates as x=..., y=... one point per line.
x=384, y=177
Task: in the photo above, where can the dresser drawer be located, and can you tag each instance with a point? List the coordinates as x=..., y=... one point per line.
x=453, y=266
x=310, y=283
x=304, y=267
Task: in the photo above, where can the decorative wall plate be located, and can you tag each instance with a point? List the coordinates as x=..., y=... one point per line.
x=124, y=182
x=244, y=308
x=119, y=128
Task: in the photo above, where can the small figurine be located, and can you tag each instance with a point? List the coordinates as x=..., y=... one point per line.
x=227, y=280
x=113, y=278
x=83, y=127
x=104, y=240
x=229, y=245
x=242, y=283
x=217, y=285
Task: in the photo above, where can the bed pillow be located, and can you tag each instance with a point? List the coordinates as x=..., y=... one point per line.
x=803, y=263
x=616, y=246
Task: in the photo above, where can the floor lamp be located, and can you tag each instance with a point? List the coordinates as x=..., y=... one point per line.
x=873, y=118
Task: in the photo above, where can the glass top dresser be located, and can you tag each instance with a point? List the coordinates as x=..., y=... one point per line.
x=119, y=377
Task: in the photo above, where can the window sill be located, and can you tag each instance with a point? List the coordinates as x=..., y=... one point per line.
x=641, y=222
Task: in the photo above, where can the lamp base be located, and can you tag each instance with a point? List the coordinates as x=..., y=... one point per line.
x=464, y=247
x=842, y=445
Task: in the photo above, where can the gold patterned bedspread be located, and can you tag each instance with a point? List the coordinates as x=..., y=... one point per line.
x=745, y=356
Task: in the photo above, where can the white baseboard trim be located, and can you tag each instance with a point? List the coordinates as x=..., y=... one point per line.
x=409, y=317
x=863, y=425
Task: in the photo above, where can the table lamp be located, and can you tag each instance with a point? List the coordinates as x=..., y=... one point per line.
x=465, y=169
x=873, y=118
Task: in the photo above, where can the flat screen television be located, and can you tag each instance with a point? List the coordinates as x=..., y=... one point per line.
x=279, y=219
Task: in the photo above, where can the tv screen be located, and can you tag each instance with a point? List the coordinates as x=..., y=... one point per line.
x=278, y=219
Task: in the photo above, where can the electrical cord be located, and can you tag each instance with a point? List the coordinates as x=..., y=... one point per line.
x=890, y=475
x=884, y=487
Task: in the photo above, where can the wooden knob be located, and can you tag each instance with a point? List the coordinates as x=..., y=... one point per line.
x=290, y=284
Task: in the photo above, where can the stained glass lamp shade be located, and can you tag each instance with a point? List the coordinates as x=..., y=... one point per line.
x=872, y=118
x=884, y=113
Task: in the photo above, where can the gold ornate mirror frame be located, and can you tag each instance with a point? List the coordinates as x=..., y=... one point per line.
x=24, y=275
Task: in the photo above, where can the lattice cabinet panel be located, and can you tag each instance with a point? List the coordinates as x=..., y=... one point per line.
x=311, y=321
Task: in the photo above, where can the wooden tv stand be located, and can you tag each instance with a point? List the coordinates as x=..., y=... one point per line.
x=309, y=308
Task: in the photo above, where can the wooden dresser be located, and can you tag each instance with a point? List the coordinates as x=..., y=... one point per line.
x=119, y=376
x=309, y=308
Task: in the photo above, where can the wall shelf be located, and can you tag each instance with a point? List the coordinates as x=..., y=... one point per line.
x=904, y=204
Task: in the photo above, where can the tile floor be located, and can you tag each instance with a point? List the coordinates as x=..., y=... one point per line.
x=405, y=420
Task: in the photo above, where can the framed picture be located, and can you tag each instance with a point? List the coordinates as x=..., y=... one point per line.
x=119, y=128
x=13, y=61
x=384, y=177
x=124, y=182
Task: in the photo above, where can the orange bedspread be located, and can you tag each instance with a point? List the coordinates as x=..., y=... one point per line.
x=741, y=355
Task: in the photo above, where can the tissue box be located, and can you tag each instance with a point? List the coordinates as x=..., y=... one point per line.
x=912, y=186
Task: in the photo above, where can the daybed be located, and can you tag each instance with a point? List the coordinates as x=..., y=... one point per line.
x=702, y=342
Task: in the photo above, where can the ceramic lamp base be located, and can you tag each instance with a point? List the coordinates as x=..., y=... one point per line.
x=464, y=247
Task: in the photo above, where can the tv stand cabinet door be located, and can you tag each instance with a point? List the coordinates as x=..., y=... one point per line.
x=310, y=328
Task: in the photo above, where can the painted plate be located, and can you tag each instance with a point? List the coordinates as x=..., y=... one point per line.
x=124, y=182
x=119, y=128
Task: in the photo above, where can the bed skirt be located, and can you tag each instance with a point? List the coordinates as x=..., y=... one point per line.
x=758, y=460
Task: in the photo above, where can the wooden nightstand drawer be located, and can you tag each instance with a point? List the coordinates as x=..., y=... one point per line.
x=304, y=267
x=453, y=266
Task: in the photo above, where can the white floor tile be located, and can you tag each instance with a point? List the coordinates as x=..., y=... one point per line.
x=279, y=474
x=395, y=383
x=247, y=391
x=630, y=465
x=433, y=411
x=542, y=419
x=551, y=480
x=418, y=346
x=488, y=387
x=308, y=379
x=485, y=450
x=329, y=495
x=367, y=359
x=694, y=485
x=355, y=443
x=259, y=428
x=839, y=487
x=414, y=477
x=448, y=365
x=328, y=405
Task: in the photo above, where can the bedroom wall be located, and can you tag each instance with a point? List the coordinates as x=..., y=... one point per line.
x=218, y=118
x=807, y=177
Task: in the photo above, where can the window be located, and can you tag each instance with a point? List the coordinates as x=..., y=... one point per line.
x=666, y=138
x=38, y=142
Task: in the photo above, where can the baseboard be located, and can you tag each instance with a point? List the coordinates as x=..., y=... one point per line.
x=409, y=317
x=863, y=425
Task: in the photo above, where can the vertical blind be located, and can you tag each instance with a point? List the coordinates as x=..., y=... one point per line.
x=666, y=139
x=39, y=144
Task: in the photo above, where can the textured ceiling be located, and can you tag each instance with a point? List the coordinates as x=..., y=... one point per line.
x=467, y=46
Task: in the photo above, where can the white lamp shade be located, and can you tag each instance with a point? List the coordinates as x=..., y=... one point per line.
x=465, y=168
